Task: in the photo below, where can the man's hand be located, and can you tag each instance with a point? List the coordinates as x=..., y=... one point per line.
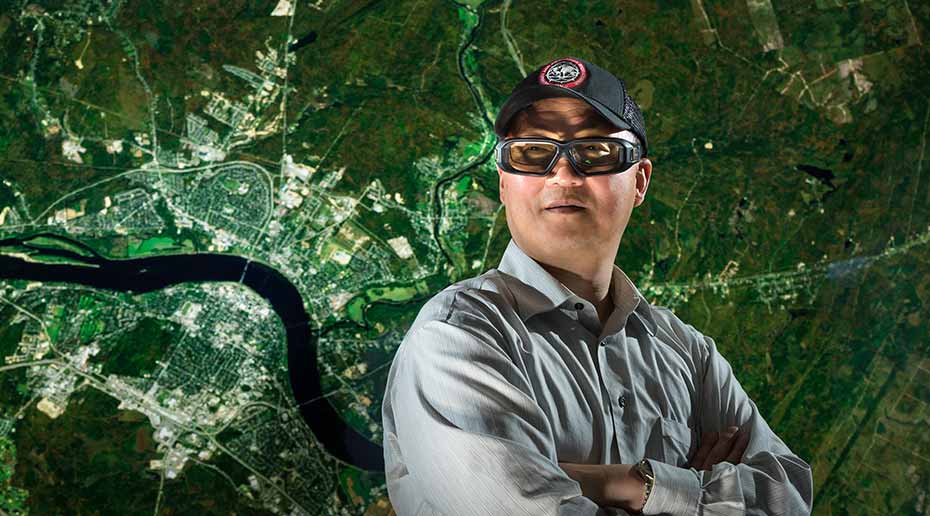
x=608, y=485
x=719, y=447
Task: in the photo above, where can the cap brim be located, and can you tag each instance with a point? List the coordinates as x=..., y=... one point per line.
x=531, y=94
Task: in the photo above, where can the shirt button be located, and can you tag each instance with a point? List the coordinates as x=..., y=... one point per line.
x=578, y=306
x=621, y=401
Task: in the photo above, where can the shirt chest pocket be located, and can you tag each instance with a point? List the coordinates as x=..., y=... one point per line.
x=670, y=441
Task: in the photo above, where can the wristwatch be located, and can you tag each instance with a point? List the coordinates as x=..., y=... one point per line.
x=644, y=470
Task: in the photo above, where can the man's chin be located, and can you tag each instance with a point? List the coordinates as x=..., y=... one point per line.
x=562, y=236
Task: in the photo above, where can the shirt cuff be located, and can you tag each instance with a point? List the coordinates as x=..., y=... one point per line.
x=676, y=490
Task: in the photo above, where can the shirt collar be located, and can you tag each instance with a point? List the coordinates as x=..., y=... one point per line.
x=542, y=292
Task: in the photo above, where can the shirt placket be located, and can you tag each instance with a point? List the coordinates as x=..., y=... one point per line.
x=619, y=399
x=613, y=393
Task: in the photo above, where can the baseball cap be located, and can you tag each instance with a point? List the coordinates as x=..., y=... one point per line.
x=575, y=77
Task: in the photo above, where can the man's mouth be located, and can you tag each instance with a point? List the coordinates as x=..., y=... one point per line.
x=566, y=208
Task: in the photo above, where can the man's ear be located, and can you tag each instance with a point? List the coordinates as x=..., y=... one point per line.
x=643, y=174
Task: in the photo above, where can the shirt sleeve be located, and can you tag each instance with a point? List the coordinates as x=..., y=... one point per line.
x=463, y=434
x=770, y=479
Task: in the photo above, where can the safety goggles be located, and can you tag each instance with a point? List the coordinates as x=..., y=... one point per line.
x=588, y=156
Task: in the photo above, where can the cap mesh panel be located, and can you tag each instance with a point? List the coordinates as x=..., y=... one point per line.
x=632, y=114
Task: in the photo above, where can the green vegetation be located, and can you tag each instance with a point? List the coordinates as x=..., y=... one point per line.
x=91, y=444
x=54, y=322
x=355, y=485
x=151, y=245
x=137, y=350
x=13, y=388
x=48, y=242
x=356, y=306
x=12, y=498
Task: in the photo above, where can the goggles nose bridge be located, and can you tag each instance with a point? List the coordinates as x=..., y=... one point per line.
x=563, y=149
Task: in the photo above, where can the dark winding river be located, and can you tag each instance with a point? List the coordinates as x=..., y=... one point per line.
x=142, y=275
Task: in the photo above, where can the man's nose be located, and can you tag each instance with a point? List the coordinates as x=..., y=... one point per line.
x=563, y=173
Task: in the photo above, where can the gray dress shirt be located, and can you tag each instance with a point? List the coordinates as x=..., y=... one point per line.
x=504, y=375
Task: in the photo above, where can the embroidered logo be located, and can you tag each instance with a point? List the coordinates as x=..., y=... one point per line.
x=565, y=72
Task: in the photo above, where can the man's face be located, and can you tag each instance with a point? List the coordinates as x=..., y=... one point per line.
x=558, y=236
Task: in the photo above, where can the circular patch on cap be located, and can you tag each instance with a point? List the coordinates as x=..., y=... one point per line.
x=565, y=72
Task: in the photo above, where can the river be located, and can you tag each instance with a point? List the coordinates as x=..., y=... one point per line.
x=140, y=275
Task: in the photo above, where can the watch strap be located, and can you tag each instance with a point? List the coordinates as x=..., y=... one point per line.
x=644, y=470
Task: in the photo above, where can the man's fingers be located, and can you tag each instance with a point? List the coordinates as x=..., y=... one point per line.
x=736, y=454
x=710, y=438
x=720, y=450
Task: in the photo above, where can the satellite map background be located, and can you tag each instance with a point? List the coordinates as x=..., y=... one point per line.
x=343, y=150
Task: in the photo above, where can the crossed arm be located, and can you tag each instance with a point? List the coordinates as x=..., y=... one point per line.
x=466, y=436
x=615, y=485
x=750, y=471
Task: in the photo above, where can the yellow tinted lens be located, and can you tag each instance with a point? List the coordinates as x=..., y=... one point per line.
x=595, y=156
x=531, y=157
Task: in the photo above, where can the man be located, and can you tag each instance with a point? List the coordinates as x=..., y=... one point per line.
x=549, y=385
